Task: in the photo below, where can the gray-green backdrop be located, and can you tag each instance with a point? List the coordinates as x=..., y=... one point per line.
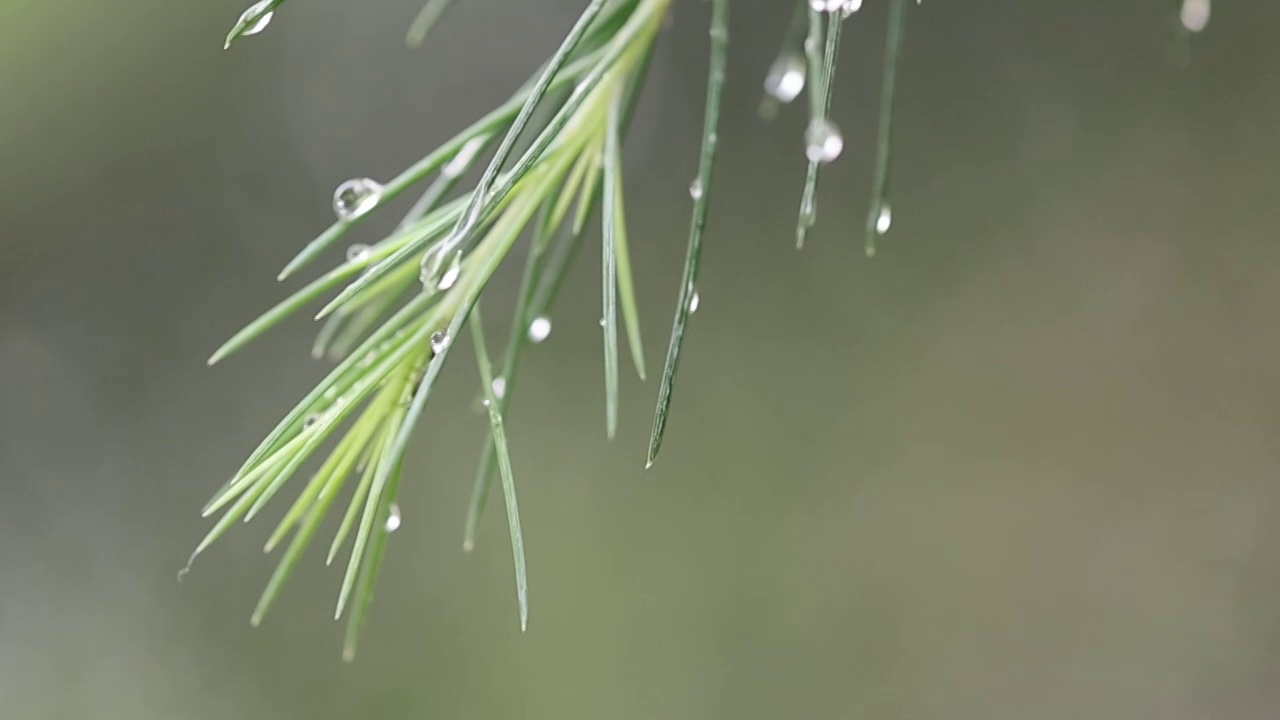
x=1022, y=465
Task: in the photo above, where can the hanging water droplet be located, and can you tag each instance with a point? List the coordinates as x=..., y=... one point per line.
x=823, y=141
x=439, y=341
x=850, y=7
x=354, y=198
x=539, y=329
x=499, y=387
x=393, y=518
x=695, y=189
x=694, y=301
x=310, y=420
x=357, y=253
x=252, y=21
x=451, y=275
x=601, y=322
x=826, y=5
x=459, y=163
x=1194, y=14
x=884, y=220
x=785, y=80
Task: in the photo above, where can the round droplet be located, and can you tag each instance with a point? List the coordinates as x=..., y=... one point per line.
x=357, y=253
x=311, y=420
x=499, y=386
x=885, y=219
x=823, y=141
x=354, y=198
x=539, y=329
x=1194, y=15
x=254, y=19
x=826, y=5
x=786, y=76
x=694, y=301
x=695, y=189
x=393, y=518
x=601, y=322
x=450, y=276
x=439, y=341
x=850, y=7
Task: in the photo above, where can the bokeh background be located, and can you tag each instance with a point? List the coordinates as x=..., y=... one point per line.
x=1021, y=465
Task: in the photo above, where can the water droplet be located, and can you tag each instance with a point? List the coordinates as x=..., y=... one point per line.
x=539, y=329
x=826, y=5
x=885, y=219
x=850, y=7
x=254, y=20
x=439, y=341
x=331, y=393
x=354, y=198
x=459, y=163
x=601, y=322
x=786, y=76
x=393, y=518
x=451, y=275
x=357, y=253
x=311, y=420
x=1194, y=14
x=694, y=301
x=823, y=141
x=695, y=189
x=499, y=387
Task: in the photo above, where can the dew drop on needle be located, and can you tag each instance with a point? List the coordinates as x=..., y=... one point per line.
x=354, y=198
x=1194, y=14
x=254, y=19
x=439, y=341
x=823, y=141
x=539, y=329
x=357, y=253
x=785, y=80
x=884, y=220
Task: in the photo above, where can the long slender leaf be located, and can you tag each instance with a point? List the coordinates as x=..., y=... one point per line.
x=879, y=217
x=488, y=124
x=374, y=497
x=480, y=197
x=625, y=41
x=430, y=14
x=706, y=161
x=609, y=269
x=498, y=433
x=626, y=286
x=361, y=491
x=291, y=304
x=813, y=44
x=369, y=572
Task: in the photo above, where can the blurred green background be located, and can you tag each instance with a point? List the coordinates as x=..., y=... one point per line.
x=1022, y=465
